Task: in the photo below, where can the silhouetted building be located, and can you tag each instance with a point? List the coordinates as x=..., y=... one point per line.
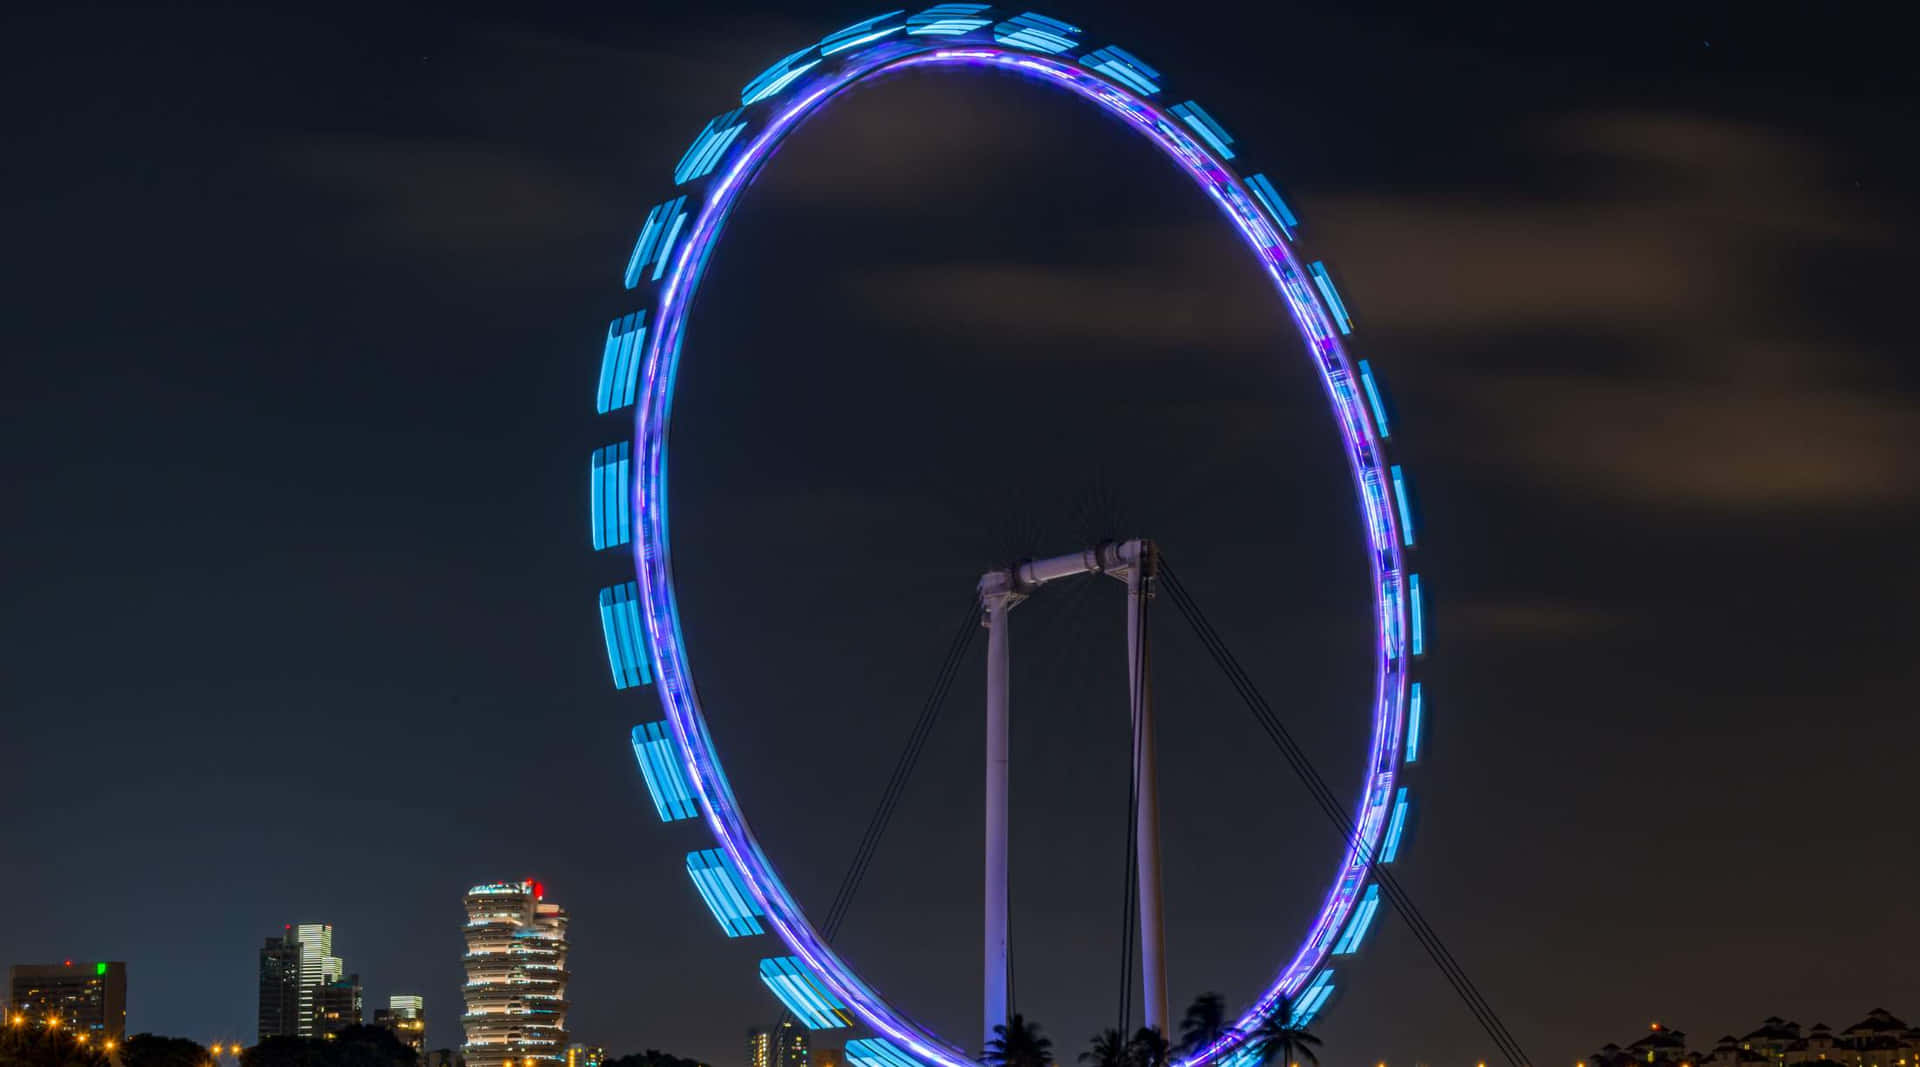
x=406, y=1016
x=516, y=976
x=443, y=1057
x=280, y=987
x=336, y=1006
x=1879, y=1040
x=787, y=1048
x=87, y=998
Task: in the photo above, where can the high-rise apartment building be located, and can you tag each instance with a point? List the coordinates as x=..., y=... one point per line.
x=280, y=987
x=516, y=976
x=785, y=1047
x=406, y=1016
x=319, y=968
x=87, y=998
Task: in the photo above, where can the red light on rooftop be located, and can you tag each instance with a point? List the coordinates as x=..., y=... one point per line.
x=69, y=963
x=538, y=891
x=1656, y=1026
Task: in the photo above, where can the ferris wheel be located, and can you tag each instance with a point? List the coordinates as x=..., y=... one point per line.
x=640, y=618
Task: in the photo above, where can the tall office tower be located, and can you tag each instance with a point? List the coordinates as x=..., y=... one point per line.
x=406, y=1016
x=280, y=987
x=87, y=998
x=336, y=1006
x=516, y=976
x=787, y=1048
x=318, y=967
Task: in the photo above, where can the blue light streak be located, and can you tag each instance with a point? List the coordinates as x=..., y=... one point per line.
x=1038, y=32
x=656, y=240
x=1203, y=124
x=1325, y=281
x=878, y=1052
x=1124, y=67
x=1396, y=827
x=620, y=362
x=704, y=153
x=666, y=245
x=720, y=886
x=1263, y=190
x=808, y=1000
x=1414, y=709
x=620, y=625
x=653, y=748
x=1308, y=1003
x=1418, y=611
x=1357, y=926
x=610, y=474
x=1406, y=508
x=1373, y=399
x=947, y=20
x=859, y=33
x=777, y=77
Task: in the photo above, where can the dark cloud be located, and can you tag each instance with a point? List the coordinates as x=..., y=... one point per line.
x=449, y=200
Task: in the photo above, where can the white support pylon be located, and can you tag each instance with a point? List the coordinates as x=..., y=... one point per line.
x=1138, y=560
x=997, y=597
x=1134, y=563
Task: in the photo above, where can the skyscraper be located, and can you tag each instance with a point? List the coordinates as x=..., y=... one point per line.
x=88, y=998
x=318, y=967
x=787, y=1049
x=516, y=976
x=280, y=987
x=406, y=1016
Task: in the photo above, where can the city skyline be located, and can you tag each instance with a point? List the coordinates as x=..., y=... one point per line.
x=310, y=305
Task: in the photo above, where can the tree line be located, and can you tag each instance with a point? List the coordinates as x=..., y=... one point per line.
x=1019, y=1042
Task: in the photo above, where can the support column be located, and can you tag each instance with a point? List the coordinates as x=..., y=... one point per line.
x=997, y=598
x=1140, y=573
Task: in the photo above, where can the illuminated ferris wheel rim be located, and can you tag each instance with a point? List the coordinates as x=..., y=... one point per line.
x=737, y=880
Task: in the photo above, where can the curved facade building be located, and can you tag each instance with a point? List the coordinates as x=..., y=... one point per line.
x=516, y=977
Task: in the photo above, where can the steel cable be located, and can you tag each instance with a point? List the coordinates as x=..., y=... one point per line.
x=1324, y=797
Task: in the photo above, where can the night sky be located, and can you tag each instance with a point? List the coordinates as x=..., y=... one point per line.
x=303, y=313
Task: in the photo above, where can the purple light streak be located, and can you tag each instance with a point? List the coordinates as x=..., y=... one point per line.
x=652, y=547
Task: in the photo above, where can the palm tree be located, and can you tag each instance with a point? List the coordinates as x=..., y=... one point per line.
x=1018, y=1043
x=1107, y=1049
x=1278, y=1039
x=1206, y=1022
x=1149, y=1048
